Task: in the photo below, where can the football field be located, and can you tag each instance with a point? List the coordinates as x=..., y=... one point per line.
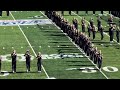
x=48, y=39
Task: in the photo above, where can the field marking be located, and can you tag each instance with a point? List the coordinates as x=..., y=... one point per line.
x=6, y=73
x=96, y=27
x=30, y=45
x=77, y=47
x=111, y=14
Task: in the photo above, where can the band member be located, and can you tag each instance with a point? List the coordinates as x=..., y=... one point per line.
x=0, y=63
x=89, y=29
x=14, y=56
x=39, y=61
x=92, y=53
x=83, y=24
x=69, y=12
x=109, y=12
x=118, y=33
x=76, y=36
x=62, y=12
x=91, y=22
x=101, y=12
x=86, y=12
x=101, y=29
x=77, y=12
x=98, y=23
x=95, y=55
x=99, y=59
x=75, y=23
x=93, y=31
x=111, y=33
x=46, y=12
x=7, y=13
x=93, y=12
x=27, y=57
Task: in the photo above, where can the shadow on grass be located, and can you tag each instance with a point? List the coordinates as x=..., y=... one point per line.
x=88, y=69
x=81, y=65
x=60, y=42
x=68, y=51
x=61, y=35
x=100, y=42
x=78, y=61
x=22, y=72
x=46, y=28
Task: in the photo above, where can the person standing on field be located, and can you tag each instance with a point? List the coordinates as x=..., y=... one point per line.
x=14, y=57
x=39, y=61
x=27, y=57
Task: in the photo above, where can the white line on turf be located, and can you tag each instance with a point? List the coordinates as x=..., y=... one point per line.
x=21, y=47
x=96, y=27
x=76, y=46
x=30, y=45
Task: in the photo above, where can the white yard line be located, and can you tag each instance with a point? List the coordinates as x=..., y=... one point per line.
x=96, y=27
x=29, y=45
x=77, y=47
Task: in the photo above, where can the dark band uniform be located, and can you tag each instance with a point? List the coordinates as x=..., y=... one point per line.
x=27, y=56
x=101, y=29
x=83, y=25
x=14, y=56
x=69, y=12
x=99, y=58
x=111, y=33
x=39, y=58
